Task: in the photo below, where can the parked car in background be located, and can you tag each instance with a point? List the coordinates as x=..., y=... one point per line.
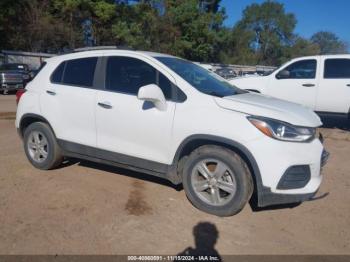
x=170, y=118
x=226, y=73
x=13, y=77
x=34, y=72
x=321, y=83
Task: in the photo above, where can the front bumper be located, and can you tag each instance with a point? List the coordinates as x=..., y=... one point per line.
x=276, y=161
x=324, y=157
x=268, y=198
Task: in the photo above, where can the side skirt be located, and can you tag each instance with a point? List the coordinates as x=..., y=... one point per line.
x=71, y=149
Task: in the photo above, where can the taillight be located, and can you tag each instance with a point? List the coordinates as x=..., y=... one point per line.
x=19, y=93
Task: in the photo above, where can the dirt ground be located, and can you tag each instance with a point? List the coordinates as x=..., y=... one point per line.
x=85, y=208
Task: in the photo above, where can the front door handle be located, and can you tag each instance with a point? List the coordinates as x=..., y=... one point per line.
x=105, y=105
x=51, y=92
x=308, y=85
x=348, y=84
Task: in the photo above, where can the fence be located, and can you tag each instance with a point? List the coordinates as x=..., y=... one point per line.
x=33, y=60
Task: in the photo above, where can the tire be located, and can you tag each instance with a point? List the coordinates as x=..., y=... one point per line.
x=50, y=155
x=232, y=187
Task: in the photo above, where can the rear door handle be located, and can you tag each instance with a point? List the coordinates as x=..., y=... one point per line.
x=348, y=84
x=51, y=92
x=308, y=85
x=105, y=105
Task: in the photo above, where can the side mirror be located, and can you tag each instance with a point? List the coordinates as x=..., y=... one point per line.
x=283, y=74
x=154, y=94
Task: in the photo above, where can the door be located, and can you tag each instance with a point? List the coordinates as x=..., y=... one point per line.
x=68, y=102
x=334, y=88
x=296, y=83
x=127, y=125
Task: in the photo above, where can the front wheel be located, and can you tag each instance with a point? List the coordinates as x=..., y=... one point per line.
x=216, y=180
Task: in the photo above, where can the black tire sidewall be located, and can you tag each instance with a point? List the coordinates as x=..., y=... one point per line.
x=239, y=173
x=45, y=130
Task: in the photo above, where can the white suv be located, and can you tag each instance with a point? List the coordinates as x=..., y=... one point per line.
x=168, y=117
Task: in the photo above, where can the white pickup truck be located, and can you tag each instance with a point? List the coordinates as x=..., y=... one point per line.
x=321, y=83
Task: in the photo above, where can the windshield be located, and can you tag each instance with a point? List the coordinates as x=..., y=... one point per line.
x=203, y=80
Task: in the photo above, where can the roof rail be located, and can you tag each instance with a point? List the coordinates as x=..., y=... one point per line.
x=91, y=48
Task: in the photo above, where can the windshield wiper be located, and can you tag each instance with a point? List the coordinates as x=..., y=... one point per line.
x=213, y=93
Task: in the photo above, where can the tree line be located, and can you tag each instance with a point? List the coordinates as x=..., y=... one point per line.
x=192, y=29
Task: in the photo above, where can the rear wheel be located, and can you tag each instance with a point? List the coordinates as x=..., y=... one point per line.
x=41, y=147
x=217, y=180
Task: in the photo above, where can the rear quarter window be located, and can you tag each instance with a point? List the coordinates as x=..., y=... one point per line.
x=56, y=76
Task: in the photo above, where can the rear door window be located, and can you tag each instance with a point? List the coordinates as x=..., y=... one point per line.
x=337, y=69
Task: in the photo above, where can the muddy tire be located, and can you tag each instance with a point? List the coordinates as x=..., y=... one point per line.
x=41, y=147
x=217, y=180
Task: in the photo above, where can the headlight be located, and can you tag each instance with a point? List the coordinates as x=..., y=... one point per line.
x=281, y=130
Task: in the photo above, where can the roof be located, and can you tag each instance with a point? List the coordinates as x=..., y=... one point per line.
x=325, y=56
x=111, y=51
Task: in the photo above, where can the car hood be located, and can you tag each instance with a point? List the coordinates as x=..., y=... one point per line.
x=266, y=106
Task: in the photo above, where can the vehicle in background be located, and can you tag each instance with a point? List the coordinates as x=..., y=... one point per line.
x=248, y=73
x=321, y=83
x=13, y=77
x=226, y=73
x=205, y=66
x=34, y=72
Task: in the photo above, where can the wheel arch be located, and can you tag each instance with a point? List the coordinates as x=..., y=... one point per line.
x=194, y=141
x=30, y=118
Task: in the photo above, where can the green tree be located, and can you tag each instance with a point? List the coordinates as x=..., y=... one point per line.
x=102, y=15
x=136, y=26
x=303, y=47
x=268, y=29
x=35, y=29
x=329, y=43
x=9, y=21
x=195, y=35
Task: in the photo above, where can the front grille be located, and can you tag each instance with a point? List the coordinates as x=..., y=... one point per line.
x=11, y=78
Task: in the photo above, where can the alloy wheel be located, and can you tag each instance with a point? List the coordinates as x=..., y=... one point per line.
x=213, y=182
